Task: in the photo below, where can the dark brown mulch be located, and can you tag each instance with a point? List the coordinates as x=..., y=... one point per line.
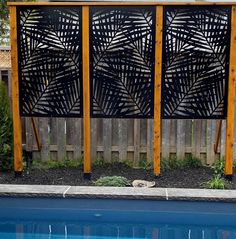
x=178, y=178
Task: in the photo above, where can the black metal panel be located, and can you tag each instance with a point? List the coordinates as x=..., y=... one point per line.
x=195, y=61
x=122, y=61
x=50, y=54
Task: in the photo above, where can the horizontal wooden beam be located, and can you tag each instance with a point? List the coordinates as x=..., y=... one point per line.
x=115, y=3
x=115, y=148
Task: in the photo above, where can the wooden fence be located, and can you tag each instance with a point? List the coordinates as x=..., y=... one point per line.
x=122, y=139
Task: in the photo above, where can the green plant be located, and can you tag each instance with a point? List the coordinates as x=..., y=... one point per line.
x=191, y=162
x=143, y=163
x=99, y=162
x=216, y=183
x=175, y=163
x=128, y=162
x=115, y=181
x=165, y=164
x=218, y=167
x=6, y=135
x=65, y=163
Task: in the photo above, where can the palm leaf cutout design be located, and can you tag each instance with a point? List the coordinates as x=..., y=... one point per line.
x=195, y=62
x=50, y=61
x=122, y=53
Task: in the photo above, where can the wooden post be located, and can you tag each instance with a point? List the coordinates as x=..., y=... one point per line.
x=231, y=97
x=157, y=91
x=86, y=90
x=18, y=161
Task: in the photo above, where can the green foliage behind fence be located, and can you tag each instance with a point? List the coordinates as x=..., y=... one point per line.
x=6, y=132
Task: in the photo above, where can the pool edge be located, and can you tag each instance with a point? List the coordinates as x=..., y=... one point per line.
x=67, y=191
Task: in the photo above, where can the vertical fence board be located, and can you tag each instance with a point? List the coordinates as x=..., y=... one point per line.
x=222, y=141
x=172, y=136
x=76, y=139
x=203, y=140
x=130, y=135
x=165, y=152
x=150, y=140
x=43, y=130
x=94, y=132
x=107, y=139
x=123, y=139
x=188, y=133
x=180, y=143
x=196, y=138
x=70, y=130
x=100, y=132
x=143, y=132
x=211, y=126
x=136, y=141
x=61, y=142
x=53, y=131
x=29, y=134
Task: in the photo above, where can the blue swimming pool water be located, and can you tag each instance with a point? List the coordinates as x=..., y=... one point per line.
x=22, y=218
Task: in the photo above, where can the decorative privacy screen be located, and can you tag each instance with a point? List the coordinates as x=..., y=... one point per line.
x=50, y=61
x=195, y=61
x=122, y=55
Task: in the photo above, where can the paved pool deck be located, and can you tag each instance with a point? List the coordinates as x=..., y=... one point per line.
x=55, y=191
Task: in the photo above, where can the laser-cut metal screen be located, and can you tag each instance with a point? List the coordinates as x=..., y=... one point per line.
x=195, y=61
x=196, y=43
x=50, y=61
x=122, y=67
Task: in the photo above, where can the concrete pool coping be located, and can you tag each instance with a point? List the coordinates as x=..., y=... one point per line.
x=66, y=191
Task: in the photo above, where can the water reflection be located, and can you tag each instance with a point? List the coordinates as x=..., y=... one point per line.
x=73, y=230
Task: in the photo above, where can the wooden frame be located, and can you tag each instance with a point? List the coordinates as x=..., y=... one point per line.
x=18, y=164
x=18, y=160
x=157, y=91
x=116, y=3
x=229, y=145
x=86, y=90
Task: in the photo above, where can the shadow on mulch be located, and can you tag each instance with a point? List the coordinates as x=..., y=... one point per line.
x=176, y=178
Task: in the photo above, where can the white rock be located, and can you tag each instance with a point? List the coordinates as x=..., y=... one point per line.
x=143, y=183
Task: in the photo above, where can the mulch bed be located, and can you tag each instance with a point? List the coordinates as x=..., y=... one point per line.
x=175, y=178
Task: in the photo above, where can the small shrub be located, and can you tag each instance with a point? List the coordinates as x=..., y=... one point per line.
x=143, y=163
x=191, y=162
x=175, y=163
x=165, y=164
x=115, y=181
x=128, y=162
x=216, y=183
x=65, y=163
x=218, y=167
x=99, y=162
x=6, y=131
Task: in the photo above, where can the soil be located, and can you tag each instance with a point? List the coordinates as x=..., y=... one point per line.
x=175, y=178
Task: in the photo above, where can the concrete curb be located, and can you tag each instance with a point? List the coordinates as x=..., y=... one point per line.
x=67, y=191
